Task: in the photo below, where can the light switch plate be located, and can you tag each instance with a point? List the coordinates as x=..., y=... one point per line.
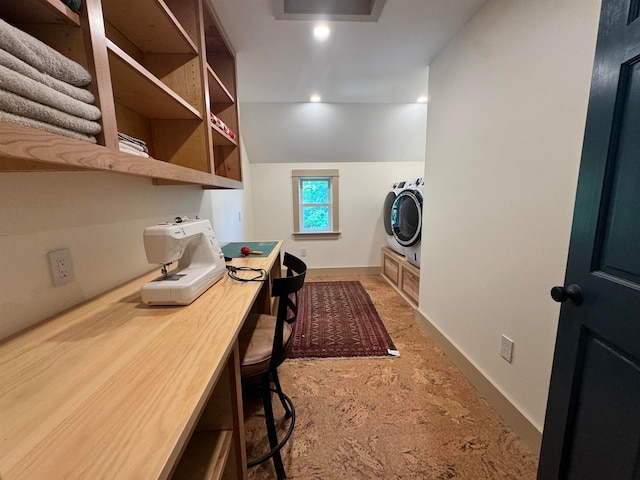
x=506, y=348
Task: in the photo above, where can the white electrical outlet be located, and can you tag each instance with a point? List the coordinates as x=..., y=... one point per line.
x=303, y=252
x=506, y=348
x=61, y=266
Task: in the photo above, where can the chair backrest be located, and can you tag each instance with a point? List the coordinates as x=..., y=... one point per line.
x=286, y=288
x=293, y=264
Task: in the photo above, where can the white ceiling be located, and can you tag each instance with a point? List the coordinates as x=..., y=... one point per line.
x=361, y=62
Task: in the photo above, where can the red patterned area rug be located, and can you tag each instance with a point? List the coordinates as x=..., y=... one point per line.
x=338, y=320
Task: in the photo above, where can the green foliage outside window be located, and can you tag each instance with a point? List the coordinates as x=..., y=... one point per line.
x=315, y=191
x=315, y=194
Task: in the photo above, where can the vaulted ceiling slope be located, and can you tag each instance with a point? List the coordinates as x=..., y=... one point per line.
x=361, y=62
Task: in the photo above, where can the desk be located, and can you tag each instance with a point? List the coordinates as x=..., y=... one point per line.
x=115, y=389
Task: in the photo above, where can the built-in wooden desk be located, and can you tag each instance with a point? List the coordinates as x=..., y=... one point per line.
x=115, y=389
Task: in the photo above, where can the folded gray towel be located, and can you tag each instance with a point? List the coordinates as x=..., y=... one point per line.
x=17, y=65
x=12, y=103
x=25, y=87
x=42, y=56
x=29, y=122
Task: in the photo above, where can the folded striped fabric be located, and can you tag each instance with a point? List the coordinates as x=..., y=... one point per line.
x=29, y=122
x=41, y=56
x=135, y=146
x=12, y=103
x=14, y=63
x=127, y=149
x=129, y=138
x=133, y=142
x=25, y=87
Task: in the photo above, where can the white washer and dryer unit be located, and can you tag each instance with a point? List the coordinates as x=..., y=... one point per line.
x=406, y=218
x=388, y=216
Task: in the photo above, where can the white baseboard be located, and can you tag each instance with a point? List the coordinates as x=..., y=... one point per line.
x=338, y=271
x=527, y=432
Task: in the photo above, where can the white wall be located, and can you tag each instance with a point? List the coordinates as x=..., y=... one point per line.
x=363, y=186
x=507, y=110
x=372, y=145
x=100, y=216
x=230, y=211
x=328, y=132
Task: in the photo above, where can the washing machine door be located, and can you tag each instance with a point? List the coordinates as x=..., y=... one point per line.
x=387, y=212
x=406, y=217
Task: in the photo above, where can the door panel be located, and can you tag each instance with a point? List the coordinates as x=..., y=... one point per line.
x=620, y=226
x=592, y=425
x=605, y=440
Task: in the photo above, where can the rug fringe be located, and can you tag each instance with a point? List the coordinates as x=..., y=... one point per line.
x=345, y=358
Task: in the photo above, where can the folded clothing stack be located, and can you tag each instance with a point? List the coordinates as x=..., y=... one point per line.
x=132, y=145
x=222, y=126
x=41, y=88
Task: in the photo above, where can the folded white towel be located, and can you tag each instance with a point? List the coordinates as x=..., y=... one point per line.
x=12, y=103
x=29, y=122
x=133, y=151
x=25, y=87
x=135, y=146
x=41, y=56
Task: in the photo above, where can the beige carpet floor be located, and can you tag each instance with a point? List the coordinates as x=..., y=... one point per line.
x=412, y=417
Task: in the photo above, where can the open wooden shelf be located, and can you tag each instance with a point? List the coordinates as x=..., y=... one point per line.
x=221, y=138
x=28, y=145
x=157, y=30
x=38, y=11
x=205, y=456
x=218, y=93
x=136, y=88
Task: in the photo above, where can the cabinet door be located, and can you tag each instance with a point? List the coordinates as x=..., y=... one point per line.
x=410, y=283
x=391, y=268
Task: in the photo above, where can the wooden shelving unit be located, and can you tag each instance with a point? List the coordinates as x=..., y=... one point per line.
x=39, y=11
x=222, y=81
x=160, y=68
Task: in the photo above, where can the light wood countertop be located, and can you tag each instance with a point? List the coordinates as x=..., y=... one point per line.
x=113, y=388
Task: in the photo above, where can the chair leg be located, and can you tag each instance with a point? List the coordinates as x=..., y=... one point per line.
x=271, y=426
x=274, y=453
x=276, y=381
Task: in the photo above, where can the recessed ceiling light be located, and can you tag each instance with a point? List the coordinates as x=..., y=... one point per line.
x=315, y=98
x=422, y=99
x=321, y=32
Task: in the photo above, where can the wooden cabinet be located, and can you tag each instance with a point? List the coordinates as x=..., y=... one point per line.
x=402, y=275
x=160, y=68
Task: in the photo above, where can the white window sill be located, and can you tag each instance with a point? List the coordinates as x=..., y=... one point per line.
x=312, y=235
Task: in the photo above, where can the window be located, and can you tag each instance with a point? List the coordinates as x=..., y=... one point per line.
x=315, y=202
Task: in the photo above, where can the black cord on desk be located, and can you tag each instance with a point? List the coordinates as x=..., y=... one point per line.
x=261, y=277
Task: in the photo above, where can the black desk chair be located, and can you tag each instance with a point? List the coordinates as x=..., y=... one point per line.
x=264, y=342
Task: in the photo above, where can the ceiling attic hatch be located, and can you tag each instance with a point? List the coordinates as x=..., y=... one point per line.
x=329, y=10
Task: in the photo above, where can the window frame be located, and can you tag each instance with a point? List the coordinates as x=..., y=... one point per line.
x=334, y=186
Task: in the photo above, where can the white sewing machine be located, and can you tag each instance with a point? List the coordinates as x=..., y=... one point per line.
x=200, y=261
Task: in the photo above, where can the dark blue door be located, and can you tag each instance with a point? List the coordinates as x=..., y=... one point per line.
x=592, y=425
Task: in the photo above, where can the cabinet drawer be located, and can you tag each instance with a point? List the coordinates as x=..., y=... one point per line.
x=410, y=285
x=391, y=269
